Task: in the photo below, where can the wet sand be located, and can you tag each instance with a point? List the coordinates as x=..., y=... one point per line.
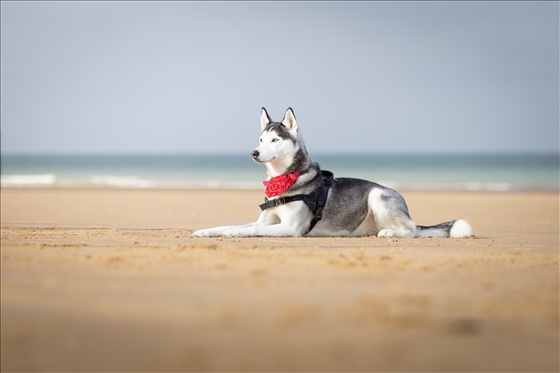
x=110, y=280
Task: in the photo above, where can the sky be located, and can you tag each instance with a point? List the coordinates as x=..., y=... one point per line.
x=361, y=77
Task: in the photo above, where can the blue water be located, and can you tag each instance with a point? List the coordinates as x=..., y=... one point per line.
x=412, y=172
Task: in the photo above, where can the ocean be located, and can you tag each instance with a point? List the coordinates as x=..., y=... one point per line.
x=461, y=172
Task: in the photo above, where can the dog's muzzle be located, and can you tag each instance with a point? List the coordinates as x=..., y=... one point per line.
x=255, y=154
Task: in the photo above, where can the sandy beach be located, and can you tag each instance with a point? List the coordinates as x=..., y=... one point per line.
x=104, y=280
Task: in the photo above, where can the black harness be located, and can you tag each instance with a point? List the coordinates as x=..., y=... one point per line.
x=315, y=200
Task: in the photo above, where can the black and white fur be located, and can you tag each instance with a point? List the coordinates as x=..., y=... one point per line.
x=354, y=207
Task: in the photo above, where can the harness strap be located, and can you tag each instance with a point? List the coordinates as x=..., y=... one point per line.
x=316, y=200
x=269, y=203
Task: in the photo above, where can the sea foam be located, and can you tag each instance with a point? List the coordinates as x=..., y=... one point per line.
x=28, y=180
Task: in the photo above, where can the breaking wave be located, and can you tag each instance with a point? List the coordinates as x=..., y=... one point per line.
x=28, y=180
x=123, y=182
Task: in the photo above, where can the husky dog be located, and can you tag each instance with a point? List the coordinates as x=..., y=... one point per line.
x=303, y=201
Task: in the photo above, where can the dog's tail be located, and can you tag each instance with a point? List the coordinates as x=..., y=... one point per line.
x=455, y=228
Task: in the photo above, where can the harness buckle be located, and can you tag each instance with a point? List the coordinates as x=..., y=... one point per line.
x=279, y=201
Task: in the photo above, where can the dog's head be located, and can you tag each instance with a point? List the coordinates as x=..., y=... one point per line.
x=279, y=141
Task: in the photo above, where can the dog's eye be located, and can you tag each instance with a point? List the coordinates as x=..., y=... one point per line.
x=275, y=140
x=260, y=140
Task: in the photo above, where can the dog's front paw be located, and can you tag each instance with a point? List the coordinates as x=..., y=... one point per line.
x=231, y=233
x=204, y=233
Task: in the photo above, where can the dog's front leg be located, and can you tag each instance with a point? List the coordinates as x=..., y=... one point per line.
x=290, y=225
x=276, y=230
x=218, y=231
x=265, y=218
x=284, y=221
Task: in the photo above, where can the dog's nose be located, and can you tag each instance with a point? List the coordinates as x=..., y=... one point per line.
x=255, y=154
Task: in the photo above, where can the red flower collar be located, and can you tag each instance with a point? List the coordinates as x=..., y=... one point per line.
x=279, y=184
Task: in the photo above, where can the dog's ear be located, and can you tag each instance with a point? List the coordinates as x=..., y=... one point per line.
x=265, y=119
x=289, y=120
